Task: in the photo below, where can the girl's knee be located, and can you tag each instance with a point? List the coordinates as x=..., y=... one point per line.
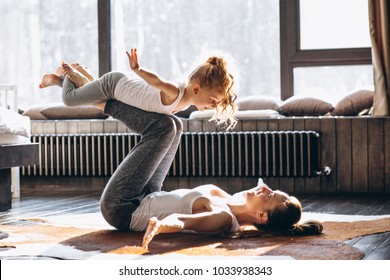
x=69, y=97
x=69, y=102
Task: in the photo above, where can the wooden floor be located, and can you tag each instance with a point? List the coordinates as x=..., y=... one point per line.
x=376, y=246
x=49, y=203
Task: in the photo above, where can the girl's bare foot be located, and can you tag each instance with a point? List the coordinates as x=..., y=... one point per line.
x=75, y=76
x=151, y=232
x=50, y=80
x=60, y=71
x=83, y=70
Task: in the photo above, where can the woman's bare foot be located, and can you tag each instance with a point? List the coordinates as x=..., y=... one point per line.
x=75, y=76
x=151, y=232
x=50, y=80
x=83, y=70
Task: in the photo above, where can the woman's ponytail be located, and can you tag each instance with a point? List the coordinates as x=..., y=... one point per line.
x=311, y=227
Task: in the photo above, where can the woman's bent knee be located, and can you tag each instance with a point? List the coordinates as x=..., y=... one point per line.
x=178, y=124
x=115, y=218
x=167, y=126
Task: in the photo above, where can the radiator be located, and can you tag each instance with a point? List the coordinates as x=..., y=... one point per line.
x=232, y=154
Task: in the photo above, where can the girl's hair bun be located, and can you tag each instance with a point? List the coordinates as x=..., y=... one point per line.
x=215, y=60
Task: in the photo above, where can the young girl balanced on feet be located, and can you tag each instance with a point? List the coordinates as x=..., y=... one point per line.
x=209, y=86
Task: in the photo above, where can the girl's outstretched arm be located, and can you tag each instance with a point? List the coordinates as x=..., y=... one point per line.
x=214, y=222
x=151, y=78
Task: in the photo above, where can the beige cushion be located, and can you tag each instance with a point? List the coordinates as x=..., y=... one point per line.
x=34, y=113
x=305, y=106
x=354, y=104
x=258, y=102
x=59, y=111
x=79, y=112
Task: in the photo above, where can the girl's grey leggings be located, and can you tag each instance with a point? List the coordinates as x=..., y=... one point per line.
x=93, y=92
x=145, y=167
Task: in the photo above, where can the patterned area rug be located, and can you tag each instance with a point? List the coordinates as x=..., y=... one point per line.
x=89, y=237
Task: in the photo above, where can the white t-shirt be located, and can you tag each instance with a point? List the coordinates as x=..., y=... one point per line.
x=134, y=91
x=162, y=204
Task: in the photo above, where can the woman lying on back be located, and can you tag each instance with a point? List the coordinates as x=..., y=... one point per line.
x=210, y=210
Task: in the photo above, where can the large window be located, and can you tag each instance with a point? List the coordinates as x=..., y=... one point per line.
x=36, y=35
x=172, y=33
x=325, y=48
x=333, y=24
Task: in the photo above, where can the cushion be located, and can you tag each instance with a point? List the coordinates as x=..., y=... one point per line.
x=34, y=113
x=248, y=114
x=60, y=111
x=79, y=112
x=305, y=106
x=354, y=103
x=258, y=102
x=206, y=114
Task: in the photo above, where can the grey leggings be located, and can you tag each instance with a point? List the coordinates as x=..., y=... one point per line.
x=145, y=167
x=93, y=92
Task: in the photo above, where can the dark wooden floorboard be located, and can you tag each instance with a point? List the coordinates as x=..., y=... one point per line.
x=369, y=243
x=382, y=252
x=49, y=203
x=44, y=204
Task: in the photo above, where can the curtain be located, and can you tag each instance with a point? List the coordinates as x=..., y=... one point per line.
x=379, y=30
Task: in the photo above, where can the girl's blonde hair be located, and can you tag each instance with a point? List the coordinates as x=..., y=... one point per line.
x=212, y=74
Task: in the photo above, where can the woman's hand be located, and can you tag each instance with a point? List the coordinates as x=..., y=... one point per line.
x=133, y=59
x=151, y=232
x=216, y=221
